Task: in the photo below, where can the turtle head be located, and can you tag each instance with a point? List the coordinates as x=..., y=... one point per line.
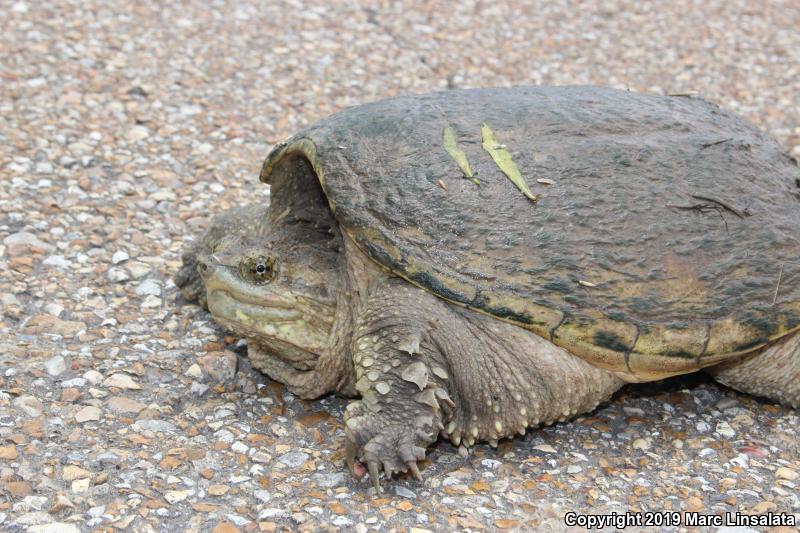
x=279, y=293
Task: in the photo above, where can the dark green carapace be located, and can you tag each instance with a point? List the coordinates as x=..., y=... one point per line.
x=650, y=210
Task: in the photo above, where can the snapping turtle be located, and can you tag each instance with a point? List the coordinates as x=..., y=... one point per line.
x=473, y=263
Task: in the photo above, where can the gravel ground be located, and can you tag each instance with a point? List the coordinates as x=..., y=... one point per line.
x=122, y=128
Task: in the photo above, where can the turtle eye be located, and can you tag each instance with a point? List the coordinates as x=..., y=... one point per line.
x=258, y=270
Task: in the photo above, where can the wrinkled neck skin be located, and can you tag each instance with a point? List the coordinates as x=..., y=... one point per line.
x=333, y=372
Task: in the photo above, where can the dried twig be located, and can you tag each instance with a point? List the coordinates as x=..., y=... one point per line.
x=702, y=208
x=706, y=145
x=721, y=204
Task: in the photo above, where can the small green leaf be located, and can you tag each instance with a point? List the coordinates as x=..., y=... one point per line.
x=502, y=159
x=450, y=144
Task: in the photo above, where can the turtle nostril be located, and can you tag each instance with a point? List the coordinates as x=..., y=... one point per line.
x=202, y=267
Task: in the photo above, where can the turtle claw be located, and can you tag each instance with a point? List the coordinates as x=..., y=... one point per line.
x=375, y=475
x=414, y=469
x=382, y=443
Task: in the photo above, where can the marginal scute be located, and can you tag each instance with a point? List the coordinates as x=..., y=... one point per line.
x=597, y=338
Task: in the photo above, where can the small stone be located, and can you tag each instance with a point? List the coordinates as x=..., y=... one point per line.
x=546, y=448
x=22, y=242
x=218, y=490
x=239, y=447
x=403, y=492
x=138, y=269
x=148, y=287
x=330, y=480
x=62, y=503
x=225, y=527
x=763, y=507
x=491, y=463
x=694, y=504
x=8, y=452
x=405, y=505
x=194, y=372
x=54, y=309
x=52, y=325
x=151, y=302
x=29, y=405
x=642, y=444
x=175, y=496
x=80, y=486
x=118, y=275
x=57, y=261
x=724, y=429
x=220, y=366
x=574, y=469
x=55, y=366
x=43, y=167
x=121, y=381
x=157, y=426
x=293, y=459
x=93, y=376
x=121, y=404
x=119, y=256
x=786, y=473
x=74, y=382
x=18, y=489
x=72, y=472
x=137, y=133
x=88, y=414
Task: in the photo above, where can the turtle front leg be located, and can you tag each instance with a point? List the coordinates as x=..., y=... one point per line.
x=399, y=370
x=425, y=367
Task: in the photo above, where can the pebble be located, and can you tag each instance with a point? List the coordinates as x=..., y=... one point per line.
x=54, y=309
x=88, y=414
x=121, y=381
x=404, y=492
x=29, y=405
x=293, y=459
x=219, y=366
x=120, y=256
x=786, y=473
x=57, y=261
x=55, y=366
x=19, y=242
x=175, y=496
x=724, y=429
x=148, y=287
x=72, y=472
x=121, y=404
x=118, y=275
x=157, y=426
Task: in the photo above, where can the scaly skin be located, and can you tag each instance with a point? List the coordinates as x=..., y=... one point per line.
x=425, y=367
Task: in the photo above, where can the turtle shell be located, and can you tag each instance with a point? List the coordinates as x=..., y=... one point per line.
x=657, y=235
